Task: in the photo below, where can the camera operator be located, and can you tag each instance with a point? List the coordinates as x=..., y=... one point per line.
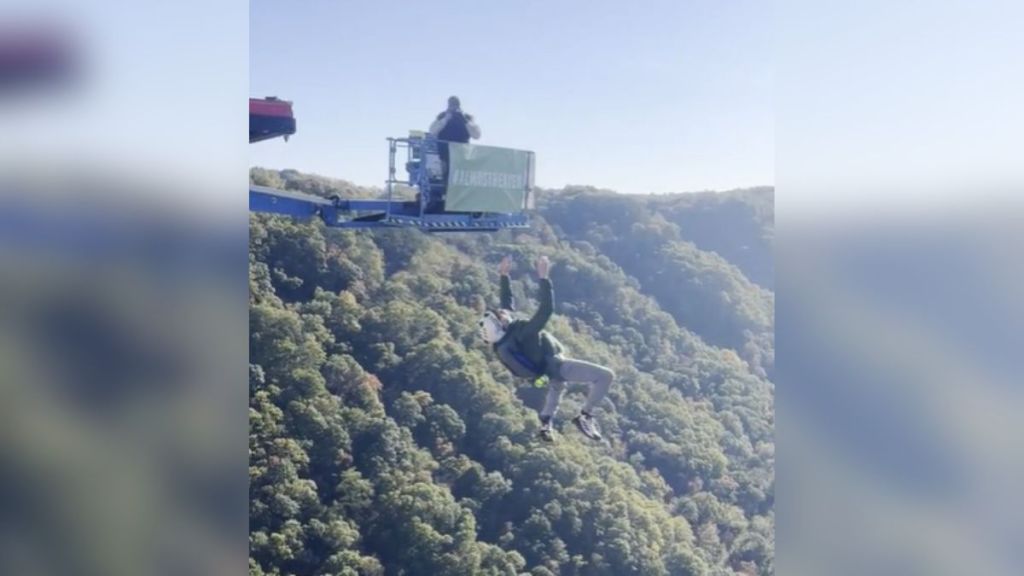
x=452, y=125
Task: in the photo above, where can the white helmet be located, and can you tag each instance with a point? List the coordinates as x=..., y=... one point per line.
x=491, y=329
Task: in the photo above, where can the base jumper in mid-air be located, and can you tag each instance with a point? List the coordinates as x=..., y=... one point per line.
x=528, y=351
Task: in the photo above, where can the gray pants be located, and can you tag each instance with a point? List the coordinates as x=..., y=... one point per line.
x=569, y=370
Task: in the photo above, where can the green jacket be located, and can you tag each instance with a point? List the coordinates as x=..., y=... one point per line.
x=527, y=349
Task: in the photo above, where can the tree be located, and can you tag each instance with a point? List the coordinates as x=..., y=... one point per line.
x=385, y=438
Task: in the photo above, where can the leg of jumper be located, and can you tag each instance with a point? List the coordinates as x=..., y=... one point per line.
x=599, y=378
x=555, y=390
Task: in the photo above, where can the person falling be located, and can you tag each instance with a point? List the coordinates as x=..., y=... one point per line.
x=529, y=351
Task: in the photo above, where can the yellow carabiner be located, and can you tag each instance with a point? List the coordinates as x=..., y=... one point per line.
x=541, y=381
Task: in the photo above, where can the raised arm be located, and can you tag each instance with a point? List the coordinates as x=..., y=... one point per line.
x=438, y=125
x=546, y=297
x=506, y=286
x=472, y=127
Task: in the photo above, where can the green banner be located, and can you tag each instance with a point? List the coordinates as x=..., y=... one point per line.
x=488, y=179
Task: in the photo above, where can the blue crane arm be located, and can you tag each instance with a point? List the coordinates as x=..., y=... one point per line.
x=427, y=212
x=288, y=203
x=302, y=205
x=382, y=213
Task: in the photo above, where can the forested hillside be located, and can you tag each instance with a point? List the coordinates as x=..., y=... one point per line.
x=386, y=439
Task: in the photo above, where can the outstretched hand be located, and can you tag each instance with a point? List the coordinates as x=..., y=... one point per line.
x=543, y=265
x=505, y=266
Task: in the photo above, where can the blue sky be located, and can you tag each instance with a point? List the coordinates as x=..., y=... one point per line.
x=660, y=96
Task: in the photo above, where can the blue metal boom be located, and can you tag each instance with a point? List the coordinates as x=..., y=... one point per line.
x=425, y=212
x=336, y=212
